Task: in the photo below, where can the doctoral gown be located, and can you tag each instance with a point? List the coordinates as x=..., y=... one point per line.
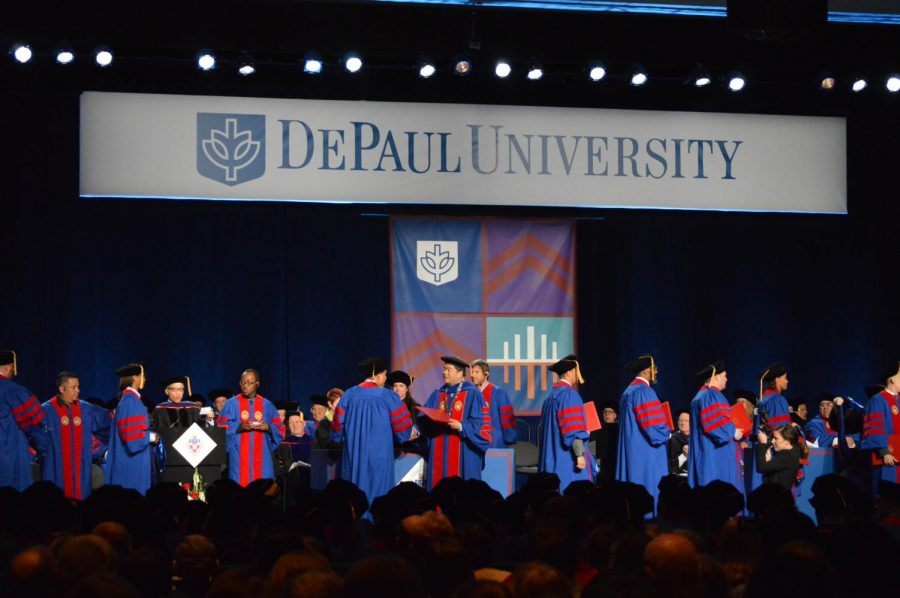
x=563, y=421
x=128, y=460
x=880, y=420
x=367, y=421
x=714, y=454
x=72, y=431
x=250, y=453
x=21, y=419
x=642, y=453
x=503, y=419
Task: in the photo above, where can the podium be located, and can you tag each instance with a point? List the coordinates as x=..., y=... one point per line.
x=179, y=470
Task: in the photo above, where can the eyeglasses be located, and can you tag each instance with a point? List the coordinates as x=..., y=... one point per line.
x=242, y=383
x=175, y=389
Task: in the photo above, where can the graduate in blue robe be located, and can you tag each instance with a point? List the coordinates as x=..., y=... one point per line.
x=881, y=420
x=773, y=411
x=503, y=418
x=564, y=439
x=253, y=430
x=73, y=427
x=457, y=448
x=128, y=460
x=643, y=432
x=21, y=425
x=368, y=420
x=715, y=452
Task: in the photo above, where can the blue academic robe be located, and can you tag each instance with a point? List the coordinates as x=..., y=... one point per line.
x=776, y=409
x=642, y=453
x=367, y=421
x=714, y=454
x=71, y=433
x=128, y=460
x=503, y=418
x=880, y=420
x=21, y=419
x=452, y=453
x=563, y=421
x=818, y=430
x=250, y=453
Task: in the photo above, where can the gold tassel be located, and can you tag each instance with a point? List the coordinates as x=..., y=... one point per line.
x=578, y=373
x=188, y=380
x=15, y=370
x=763, y=377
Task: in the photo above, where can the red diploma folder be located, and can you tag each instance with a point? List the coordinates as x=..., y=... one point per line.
x=740, y=420
x=894, y=443
x=438, y=415
x=593, y=422
x=667, y=411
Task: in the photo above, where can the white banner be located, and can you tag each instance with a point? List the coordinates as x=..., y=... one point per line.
x=200, y=147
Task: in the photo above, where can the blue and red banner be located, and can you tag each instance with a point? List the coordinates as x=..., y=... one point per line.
x=503, y=290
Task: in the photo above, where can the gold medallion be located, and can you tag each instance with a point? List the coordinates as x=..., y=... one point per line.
x=894, y=409
x=443, y=405
x=76, y=420
x=457, y=406
x=258, y=416
x=64, y=420
x=245, y=415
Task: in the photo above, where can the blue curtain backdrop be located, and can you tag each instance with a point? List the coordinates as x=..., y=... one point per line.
x=301, y=292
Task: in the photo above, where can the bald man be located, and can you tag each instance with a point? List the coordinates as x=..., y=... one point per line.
x=670, y=564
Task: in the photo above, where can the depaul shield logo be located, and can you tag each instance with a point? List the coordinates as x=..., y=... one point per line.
x=437, y=262
x=231, y=148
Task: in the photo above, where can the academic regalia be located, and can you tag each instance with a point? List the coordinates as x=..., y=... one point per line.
x=366, y=421
x=563, y=421
x=128, y=460
x=676, y=445
x=503, y=419
x=72, y=432
x=176, y=415
x=819, y=431
x=776, y=409
x=642, y=455
x=880, y=420
x=21, y=417
x=250, y=453
x=452, y=453
x=714, y=454
x=301, y=447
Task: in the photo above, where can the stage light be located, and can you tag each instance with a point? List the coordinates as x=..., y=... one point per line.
x=21, y=53
x=64, y=53
x=312, y=64
x=425, y=67
x=736, y=81
x=638, y=76
x=700, y=77
x=596, y=71
x=205, y=60
x=352, y=62
x=893, y=83
x=502, y=69
x=103, y=56
x=462, y=65
x=535, y=70
x=826, y=81
x=858, y=84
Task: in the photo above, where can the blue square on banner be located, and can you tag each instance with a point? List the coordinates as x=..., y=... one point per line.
x=437, y=266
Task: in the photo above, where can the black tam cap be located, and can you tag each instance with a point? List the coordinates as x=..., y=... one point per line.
x=319, y=400
x=131, y=369
x=711, y=370
x=890, y=370
x=776, y=370
x=399, y=376
x=454, y=360
x=7, y=357
x=219, y=392
x=569, y=362
x=825, y=396
x=287, y=406
x=372, y=365
x=745, y=394
x=639, y=364
x=175, y=380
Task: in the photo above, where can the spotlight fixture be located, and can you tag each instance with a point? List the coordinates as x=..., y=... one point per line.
x=893, y=83
x=103, y=56
x=425, y=67
x=638, y=76
x=352, y=62
x=596, y=71
x=206, y=61
x=312, y=64
x=246, y=66
x=21, y=53
x=736, y=81
x=65, y=54
x=700, y=77
x=826, y=81
x=462, y=65
x=858, y=83
x=535, y=70
x=502, y=69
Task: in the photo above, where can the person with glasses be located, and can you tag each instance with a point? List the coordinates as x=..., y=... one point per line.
x=253, y=429
x=175, y=412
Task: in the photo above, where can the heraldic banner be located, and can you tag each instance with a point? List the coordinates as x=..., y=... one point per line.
x=498, y=289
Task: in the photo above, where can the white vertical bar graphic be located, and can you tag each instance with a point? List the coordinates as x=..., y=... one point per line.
x=517, y=351
x=554, y=357
x=505, y=350
x=530, y=342
x=543, y=347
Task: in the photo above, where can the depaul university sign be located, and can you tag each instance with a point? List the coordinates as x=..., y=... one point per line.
x=304, y=150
